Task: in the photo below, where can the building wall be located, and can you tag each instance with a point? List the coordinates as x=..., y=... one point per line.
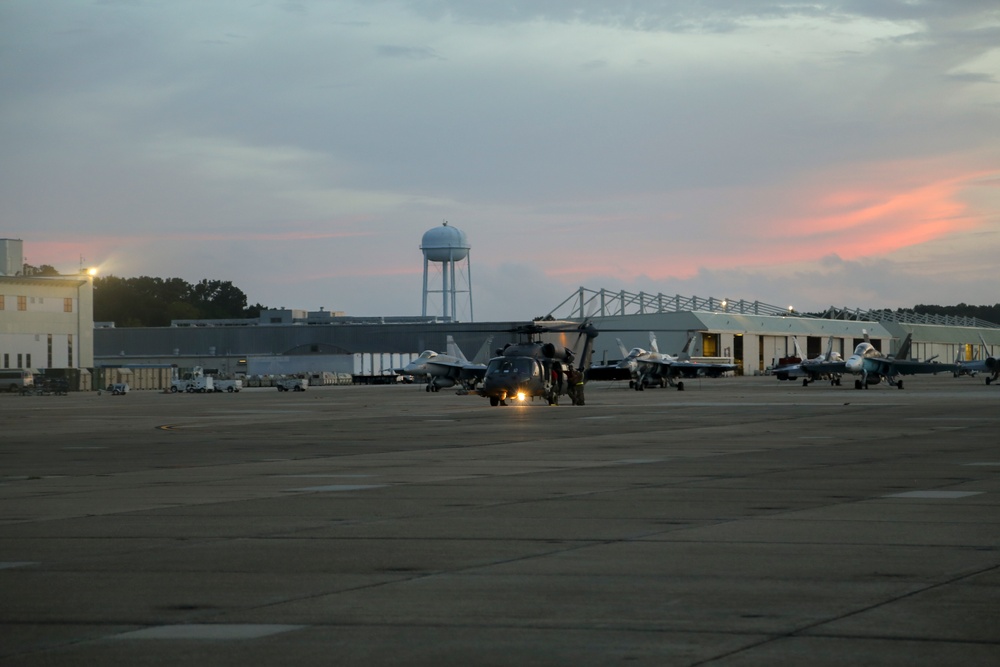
x=47, y=322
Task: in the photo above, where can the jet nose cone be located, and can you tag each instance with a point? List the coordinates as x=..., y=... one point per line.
x=853, y=364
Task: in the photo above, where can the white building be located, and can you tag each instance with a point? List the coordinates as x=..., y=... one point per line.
x=45, y=322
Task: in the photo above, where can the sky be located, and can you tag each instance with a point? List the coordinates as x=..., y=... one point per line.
x=810, y=154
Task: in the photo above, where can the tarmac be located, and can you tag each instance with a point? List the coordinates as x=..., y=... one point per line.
x=743, y=521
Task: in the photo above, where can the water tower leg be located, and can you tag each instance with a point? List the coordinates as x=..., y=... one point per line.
x=424, y=311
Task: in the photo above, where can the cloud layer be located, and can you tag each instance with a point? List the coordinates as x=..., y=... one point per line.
x=806, y=153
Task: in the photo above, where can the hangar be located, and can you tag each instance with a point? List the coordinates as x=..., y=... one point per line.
x=754, y=334
x=749, y=333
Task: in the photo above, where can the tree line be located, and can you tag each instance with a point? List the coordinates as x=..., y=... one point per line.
x=154, y=302
x=988, y=313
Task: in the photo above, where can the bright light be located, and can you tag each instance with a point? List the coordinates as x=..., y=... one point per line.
x=92, y=271
x=520, y=396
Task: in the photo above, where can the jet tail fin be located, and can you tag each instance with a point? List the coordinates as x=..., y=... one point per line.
x=652, y=343
x=798, y=350
x=829, y=350
x=686, y=350
x=622, y=348
x=483, y=355
x=904, y=348
x=454, y=350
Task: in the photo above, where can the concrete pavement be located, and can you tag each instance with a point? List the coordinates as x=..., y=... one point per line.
x=744, y=521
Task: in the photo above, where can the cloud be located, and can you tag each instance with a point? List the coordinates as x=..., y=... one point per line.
x=657, y=145
x=408, y=52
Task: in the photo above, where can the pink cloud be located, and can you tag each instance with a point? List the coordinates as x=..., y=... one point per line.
x=863, y=212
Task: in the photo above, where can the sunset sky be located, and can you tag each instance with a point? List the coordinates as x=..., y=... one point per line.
x=797, y=153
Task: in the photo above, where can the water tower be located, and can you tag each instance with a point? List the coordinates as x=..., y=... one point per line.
x=448, y=247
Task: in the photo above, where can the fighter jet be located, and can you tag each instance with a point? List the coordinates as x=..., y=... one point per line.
x=873, y=367
x=447, y=370
x=986, y=365
x=649, y=367
x=827, y=366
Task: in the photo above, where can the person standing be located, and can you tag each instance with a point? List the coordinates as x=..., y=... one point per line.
x=578, y=380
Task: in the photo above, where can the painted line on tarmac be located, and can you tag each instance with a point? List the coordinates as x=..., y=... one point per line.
x=935, y=495
x=208, y=631
x=12, y=564
x=335, y=487
x=326, y=475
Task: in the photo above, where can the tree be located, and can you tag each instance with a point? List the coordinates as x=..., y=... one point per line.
x=154, y=302
x=43, y=270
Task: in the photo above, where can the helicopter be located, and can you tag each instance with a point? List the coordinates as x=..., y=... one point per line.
x=532, y=368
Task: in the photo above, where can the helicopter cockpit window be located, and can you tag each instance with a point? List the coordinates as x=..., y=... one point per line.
x=510, y=366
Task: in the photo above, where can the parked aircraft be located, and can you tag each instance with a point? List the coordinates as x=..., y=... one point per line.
x=447, y=370
x=649, y=367
x=531, y=368
x=986, y=365
x=827, y=366
x=873, y=367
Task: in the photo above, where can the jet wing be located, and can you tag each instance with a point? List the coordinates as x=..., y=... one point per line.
x=473, y=371
x=907, y=367
x=826, y=367
x=977, y=366
x=789, y=370
x=452, y=369
x=694, y=368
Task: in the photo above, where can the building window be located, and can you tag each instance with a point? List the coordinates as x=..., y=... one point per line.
x=67, y=305
x=69, y=350
x=19, y=358
x=49, y=365
x=22, y=303
x=27, y=361
x=6, y=360
x=1, y=302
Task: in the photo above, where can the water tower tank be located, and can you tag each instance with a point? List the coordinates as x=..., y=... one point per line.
x=445, y=244
x=447, y=248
